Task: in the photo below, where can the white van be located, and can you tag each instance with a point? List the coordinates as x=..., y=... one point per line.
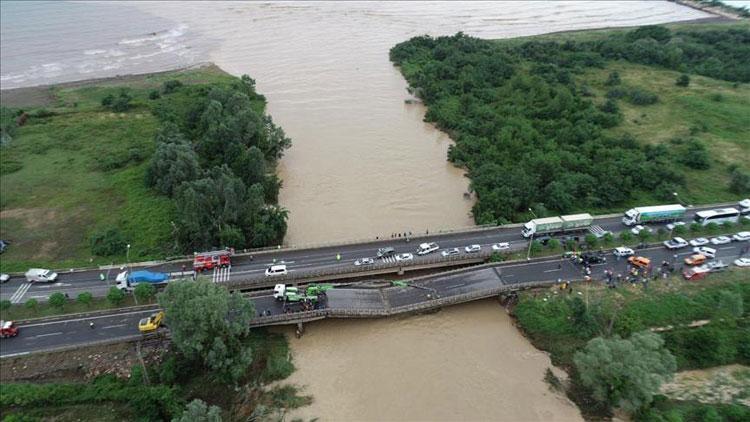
x=426, y=248
x=39, y=274
x=705, y=251
x=276, y=270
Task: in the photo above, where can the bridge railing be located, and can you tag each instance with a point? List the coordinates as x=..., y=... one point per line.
x=362, y=269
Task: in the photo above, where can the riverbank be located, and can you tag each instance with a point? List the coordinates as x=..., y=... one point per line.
x=696, y=320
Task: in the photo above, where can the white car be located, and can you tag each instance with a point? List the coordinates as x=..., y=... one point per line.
x=623, y=251
x=426, y=248
x=473, y=248
x=4, y=277
x=275, y=270
x=742, y=236
x=675, y=243
x=745, y=203
x=364, y=261
x=637, y=229
x=742, y=262
x=671, y=226
x=404, y=257
x=705, y=251
x=450, y=252
x=721, y=240
x=501, y=246
x=699, y=241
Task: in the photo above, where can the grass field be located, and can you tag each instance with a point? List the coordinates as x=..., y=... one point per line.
x=76, y=167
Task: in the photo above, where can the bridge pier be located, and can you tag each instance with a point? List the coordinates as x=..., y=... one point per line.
x=300, y=330
x=400, y=270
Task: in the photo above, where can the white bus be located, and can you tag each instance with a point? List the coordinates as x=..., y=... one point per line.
x=719, y=216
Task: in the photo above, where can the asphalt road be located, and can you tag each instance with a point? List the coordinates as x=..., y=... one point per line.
x=298, y=261
x=53, y=335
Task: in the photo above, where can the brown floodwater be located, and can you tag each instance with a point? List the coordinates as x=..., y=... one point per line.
x=466, y=362
x=363, y=163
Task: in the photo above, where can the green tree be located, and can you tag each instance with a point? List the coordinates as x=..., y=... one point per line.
x=644, y=235
x=625, y=373
x=85, y=298
x=535, y=248
x=608, y=238
x=553, y=244
x=115, y=296
x=172, y=164
x=680, y=230
x=683, y=80
x=107, y=242
x=739, y=181
x=31, y=304
x=591, y=241
x=626, y=236
x=144, y=292
x=198, y=411
x=57, y=300
x=210, y=325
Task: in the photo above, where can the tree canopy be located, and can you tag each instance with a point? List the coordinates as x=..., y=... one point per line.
x=625, y=372
x=209, y=325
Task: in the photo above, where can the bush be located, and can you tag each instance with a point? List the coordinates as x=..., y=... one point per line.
x=119, y=103
x=85, y=298
x=5, y=304
x=626, y=236
x=171, y=86
x=712, y=227
x=695, y=227
x=115, y=296
x=591, y=241
x=739, y=181
x=683, y=80
x=31, y=304
x=144, y=292
x=717, y=97
x=536, y=247
x=694, y=155
x=57, y=300
x=107, y=242
x=679, y=230
x=613, y=79
x=154, y=95
x=639, y=96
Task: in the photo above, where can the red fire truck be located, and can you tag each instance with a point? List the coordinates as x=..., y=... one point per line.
x=8, y=329
x=206, y=261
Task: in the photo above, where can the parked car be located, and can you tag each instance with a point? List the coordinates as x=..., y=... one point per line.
x=699, y=241
x=426, y=248
x=451, y=252
x=364, y=261
x=676, y=243
x=639, y=261
x=622, y=251
x=637, y=229
x=696, y=259
x=4, y=278
x=404, y=257
x=3, y=245
x=275, y=270
x=672, y=226
x=473, y=248
x=501, y=246
x=742, y=262
x=741, y=236
x=721, y=240
x=384, y=252
x=588, y=258
x=706, y=251
x=716, y=266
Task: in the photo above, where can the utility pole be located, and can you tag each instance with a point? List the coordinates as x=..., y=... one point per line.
x=531, y=240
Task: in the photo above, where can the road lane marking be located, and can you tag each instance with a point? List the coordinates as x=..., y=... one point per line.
x=18, y=295
x=553, y=270
x=87, y=319
x=114, y=326
x=47, y=335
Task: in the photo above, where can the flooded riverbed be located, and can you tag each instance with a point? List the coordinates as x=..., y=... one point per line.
x=363, y=163
x=466, y=362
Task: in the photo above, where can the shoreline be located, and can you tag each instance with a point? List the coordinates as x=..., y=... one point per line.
x=40, y=95
x=722, y=10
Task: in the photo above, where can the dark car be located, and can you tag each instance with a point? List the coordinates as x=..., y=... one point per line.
x=543, y=239
x=3, y=245
x=593, y=258
x=384, y=252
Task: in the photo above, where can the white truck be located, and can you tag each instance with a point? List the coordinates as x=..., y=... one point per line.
x=39, y=274
x=553, y=225
x=655, y=214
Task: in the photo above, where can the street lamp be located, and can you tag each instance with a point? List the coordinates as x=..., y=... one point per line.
x=127, y=257
x=531, y=239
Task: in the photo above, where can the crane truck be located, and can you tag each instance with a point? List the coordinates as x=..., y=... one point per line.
x=554, y=225
x=655, y=214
